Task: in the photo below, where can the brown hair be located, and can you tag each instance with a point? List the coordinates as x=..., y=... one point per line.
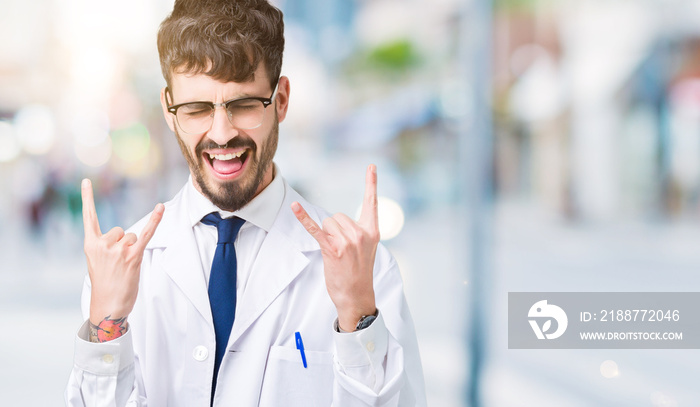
x=224, y=39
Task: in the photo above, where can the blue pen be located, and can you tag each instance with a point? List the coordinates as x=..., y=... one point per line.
x=300, y=346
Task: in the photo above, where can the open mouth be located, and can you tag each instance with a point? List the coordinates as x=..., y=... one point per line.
x=228, y=164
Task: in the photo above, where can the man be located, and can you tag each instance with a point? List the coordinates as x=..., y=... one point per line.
x=264, y=307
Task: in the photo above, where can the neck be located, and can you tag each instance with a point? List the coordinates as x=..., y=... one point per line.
x=267, y=179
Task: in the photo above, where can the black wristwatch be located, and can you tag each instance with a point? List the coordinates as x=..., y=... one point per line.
x=364, y=322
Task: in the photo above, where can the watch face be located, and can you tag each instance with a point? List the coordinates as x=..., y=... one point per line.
x=365, y=322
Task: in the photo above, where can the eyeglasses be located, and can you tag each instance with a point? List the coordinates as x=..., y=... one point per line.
x=244, y=113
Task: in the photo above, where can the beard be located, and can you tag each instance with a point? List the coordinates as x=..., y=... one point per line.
x=235, y=194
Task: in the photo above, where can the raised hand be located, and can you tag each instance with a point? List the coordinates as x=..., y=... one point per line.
x=114, y=263
x=348, y=249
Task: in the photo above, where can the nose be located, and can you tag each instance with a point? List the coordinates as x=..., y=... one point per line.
x=221, y=130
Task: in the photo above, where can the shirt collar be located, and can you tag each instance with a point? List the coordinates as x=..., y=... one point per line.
x=260, y=211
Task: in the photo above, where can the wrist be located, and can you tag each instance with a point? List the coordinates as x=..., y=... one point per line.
x=101, y=312
x=106, y=330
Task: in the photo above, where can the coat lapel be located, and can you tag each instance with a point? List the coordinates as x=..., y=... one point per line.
x=277, y=265
x=280, y=260
x=180, y=259
x=181, y=262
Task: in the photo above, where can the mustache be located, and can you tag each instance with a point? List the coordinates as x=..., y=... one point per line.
x=238, y=142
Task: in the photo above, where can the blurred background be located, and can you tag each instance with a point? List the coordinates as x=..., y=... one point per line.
x=522, y=145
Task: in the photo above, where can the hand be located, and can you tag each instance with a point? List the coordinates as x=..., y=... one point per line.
x=114, y=263
x=348, y=249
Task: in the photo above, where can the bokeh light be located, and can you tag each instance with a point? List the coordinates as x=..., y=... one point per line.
x=391, y=217
x=90, y=126
x=94, y=155
x=145, y=165
x=609, y=369
x=131, y=143
x=36, y=129
x=9, y=147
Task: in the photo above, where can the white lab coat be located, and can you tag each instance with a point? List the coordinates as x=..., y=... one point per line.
x=171, y=335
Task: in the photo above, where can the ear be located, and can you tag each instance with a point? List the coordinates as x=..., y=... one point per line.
x=282, y=98
x=169, y=117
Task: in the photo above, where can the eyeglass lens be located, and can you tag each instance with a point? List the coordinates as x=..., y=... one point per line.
x=244, y=114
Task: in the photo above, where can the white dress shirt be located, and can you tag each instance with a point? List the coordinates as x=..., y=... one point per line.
x=259, y=215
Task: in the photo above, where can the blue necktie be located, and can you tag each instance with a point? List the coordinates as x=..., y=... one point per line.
x=222, y=284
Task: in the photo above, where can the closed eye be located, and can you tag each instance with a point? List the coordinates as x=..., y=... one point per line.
x=195, y=109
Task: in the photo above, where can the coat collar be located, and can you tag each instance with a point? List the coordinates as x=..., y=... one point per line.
x=260, y=211
x=176, y=221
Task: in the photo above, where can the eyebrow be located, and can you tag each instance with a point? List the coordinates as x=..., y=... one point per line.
x=242, y=96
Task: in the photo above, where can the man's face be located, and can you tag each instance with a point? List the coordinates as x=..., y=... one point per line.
x=229, y=166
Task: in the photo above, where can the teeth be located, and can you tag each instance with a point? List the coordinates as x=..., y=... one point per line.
x=225, y=157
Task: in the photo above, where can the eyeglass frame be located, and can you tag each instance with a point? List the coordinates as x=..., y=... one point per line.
x=265, y=101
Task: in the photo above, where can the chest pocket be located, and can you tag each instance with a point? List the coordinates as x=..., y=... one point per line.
x=288, y=383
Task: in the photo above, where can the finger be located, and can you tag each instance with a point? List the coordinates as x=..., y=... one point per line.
x=309, y=224
x=114, y=235
x=150, y=229
x=368, y=215
x=129, y=239
x=344, y=222
x=90, y=222
x=333, y=226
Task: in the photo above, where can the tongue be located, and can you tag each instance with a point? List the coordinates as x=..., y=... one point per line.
x=228, y=166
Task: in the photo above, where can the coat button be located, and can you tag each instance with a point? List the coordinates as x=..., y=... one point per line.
x=200, y=353
x=370, y=346
x=107, y=358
